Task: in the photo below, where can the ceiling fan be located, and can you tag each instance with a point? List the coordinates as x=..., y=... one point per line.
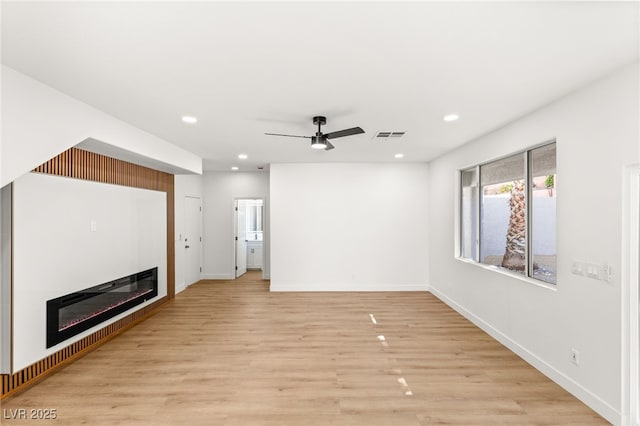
x=321, y=140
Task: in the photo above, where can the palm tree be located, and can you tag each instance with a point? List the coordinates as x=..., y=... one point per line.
x=516, y=232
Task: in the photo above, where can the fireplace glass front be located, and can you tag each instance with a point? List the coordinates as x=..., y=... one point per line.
x=76, y=312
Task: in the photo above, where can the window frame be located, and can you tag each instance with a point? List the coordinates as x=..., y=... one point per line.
x=459, y=252
x=528, y=276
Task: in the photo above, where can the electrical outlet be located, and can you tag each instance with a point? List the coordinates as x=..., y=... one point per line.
x=575, y=356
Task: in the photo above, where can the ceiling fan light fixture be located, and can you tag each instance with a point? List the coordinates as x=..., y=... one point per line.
x=318, y=142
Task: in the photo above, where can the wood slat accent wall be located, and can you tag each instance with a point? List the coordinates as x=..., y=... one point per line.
x=80, y=164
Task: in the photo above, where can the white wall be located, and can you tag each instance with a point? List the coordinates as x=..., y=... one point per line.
x=39, y=122
x=219, y=191
x=597, y=134
x=56, y=253
x=184, y=186
x=348, y=227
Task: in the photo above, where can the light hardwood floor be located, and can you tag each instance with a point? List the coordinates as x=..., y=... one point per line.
x=231, y=353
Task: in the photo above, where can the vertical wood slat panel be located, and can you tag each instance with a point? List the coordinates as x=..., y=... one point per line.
x=86, y=165
x=80, y=164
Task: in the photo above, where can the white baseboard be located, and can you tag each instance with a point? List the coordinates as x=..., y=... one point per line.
x=589, y=398
x=346, y=287
x=180, y=287
x=217, y=276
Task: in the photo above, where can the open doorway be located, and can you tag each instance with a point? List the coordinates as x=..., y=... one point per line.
x=249, y=235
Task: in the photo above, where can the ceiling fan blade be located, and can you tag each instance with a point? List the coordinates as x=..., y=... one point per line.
x=329, y=146
x=289, y=136
x=345, y=132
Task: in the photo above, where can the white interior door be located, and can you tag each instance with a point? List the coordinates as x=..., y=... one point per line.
x=192, y=239
x=241, y=237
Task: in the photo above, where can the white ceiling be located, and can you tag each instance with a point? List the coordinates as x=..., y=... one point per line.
x=248, y=68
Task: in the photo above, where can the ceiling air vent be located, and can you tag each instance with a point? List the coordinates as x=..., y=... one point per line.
x=384, y=135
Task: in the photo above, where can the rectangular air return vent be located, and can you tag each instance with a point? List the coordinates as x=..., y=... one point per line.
x=385, y=135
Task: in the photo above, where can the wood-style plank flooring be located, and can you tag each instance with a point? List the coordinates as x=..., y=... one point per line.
x=232, y=353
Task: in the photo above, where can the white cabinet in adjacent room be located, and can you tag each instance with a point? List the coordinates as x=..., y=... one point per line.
x=254, y=254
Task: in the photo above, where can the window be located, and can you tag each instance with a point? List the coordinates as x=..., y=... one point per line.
x=469, y=206
x=502, y=220
x=511, y=204
x=542, y=178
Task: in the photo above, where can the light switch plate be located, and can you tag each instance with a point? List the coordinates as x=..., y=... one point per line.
x=577, y=268
x=592, y=270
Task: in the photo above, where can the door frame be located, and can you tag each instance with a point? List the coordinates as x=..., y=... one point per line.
x=234, y=224
x=630, y=278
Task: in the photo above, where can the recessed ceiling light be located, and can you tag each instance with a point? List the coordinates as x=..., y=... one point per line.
x=242, y=156
x=189, y=119
x=450, y=117
x=399, y=155
x=234, y=168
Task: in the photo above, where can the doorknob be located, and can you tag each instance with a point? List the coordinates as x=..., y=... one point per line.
x=186, y=246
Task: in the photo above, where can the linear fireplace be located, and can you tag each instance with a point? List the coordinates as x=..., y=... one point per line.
x=76, y=312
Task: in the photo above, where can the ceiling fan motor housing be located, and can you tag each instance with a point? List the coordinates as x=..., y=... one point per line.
x=320, y=120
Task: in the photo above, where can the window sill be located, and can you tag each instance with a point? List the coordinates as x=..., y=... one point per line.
x=502, y=271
